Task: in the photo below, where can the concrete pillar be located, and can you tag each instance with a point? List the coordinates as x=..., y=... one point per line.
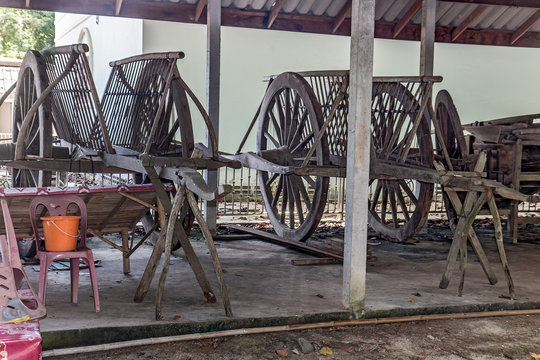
x=358, y=155
x=427, y=37
x=213, y=60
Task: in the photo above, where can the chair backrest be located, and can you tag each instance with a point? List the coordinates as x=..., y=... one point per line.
x=75, y=106
x=138, y=100
x=57, y=205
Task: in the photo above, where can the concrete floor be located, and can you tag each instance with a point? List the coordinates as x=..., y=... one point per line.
x=265, y=289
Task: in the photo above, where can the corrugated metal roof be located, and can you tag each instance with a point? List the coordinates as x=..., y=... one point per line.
x=477, y=21
x=495, y=17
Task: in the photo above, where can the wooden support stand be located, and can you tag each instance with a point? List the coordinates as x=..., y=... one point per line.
x=468, y=210
x=168, y=213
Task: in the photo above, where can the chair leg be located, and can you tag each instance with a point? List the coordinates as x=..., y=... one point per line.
x=43, y=268
x=93, y=279
x=74, y=269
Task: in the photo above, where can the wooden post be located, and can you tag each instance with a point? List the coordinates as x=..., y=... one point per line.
x=358, y=155
x=513, y=218
x=213, y=59
x=125, y=247
x=427, y=38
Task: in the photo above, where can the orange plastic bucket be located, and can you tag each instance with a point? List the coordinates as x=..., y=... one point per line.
x=61, y=232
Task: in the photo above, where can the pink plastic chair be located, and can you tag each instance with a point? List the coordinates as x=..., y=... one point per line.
x=58, y=205
x=13, y=304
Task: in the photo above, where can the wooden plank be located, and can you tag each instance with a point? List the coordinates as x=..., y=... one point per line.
x=480, y=9
x=358, y=155
x=340, y=17
x=284, y=242
x=201, y=4
x=529, y=176
x=319, y=261
x=118, y=7
x=500, y=246
x=411, y=12
x=274, y=12
x=526, y=26
x=65, y=165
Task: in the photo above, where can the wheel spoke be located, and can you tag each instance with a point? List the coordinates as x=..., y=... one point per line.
x=408, y=190
x=287, y=111
x=310, y=181
x=299, y=129
x=281, y=115
x=271, y=138
x=393, y=204
x=384, y=202
x=278, y=191
x=303, y=191
x=294, y=123
x=302, y=143
x=284, y=199
x=376, y=195
x=297, y=198
x=271, y=179
x=277, y=128
x=291, y=203
x=401, y=200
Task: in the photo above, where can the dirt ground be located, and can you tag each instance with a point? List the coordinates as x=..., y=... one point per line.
x=510, y=337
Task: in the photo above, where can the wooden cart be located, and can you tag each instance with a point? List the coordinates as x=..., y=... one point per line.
x=141, y=125
x=302, y=141
x=512, y=147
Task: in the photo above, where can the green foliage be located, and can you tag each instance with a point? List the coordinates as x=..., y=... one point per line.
x=22, y=30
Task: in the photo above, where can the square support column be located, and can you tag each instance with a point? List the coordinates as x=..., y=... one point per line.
x=213, y=62
x=427, y=37
x=358, y=155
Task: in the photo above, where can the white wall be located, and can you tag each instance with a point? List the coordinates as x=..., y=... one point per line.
x=111, y=38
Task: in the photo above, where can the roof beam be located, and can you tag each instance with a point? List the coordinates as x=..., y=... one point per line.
x=199, y=9
x=342, y=15
x=514, y=3
x=276, y=8
x=118, y=7
x=407, y=17
x=468, y=21
x=526, y=26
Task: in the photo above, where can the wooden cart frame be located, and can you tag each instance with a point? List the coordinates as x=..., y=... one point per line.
x=142, y=124
x=302, y=141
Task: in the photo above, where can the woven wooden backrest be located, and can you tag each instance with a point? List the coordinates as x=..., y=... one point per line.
x=77, y=114
x=394, y=98
x=137, y=101
x=327, y=86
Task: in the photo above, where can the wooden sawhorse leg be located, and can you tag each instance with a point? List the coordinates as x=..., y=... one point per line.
x=464, y=230
x=182, y=194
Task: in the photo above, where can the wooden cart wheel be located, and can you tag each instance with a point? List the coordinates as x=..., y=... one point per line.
x=453, y=137
x=448, y=118
x=289, y=121
x=399, y=208
x=38, y=136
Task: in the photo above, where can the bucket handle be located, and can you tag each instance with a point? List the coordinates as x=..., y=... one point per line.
x=65, y=233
